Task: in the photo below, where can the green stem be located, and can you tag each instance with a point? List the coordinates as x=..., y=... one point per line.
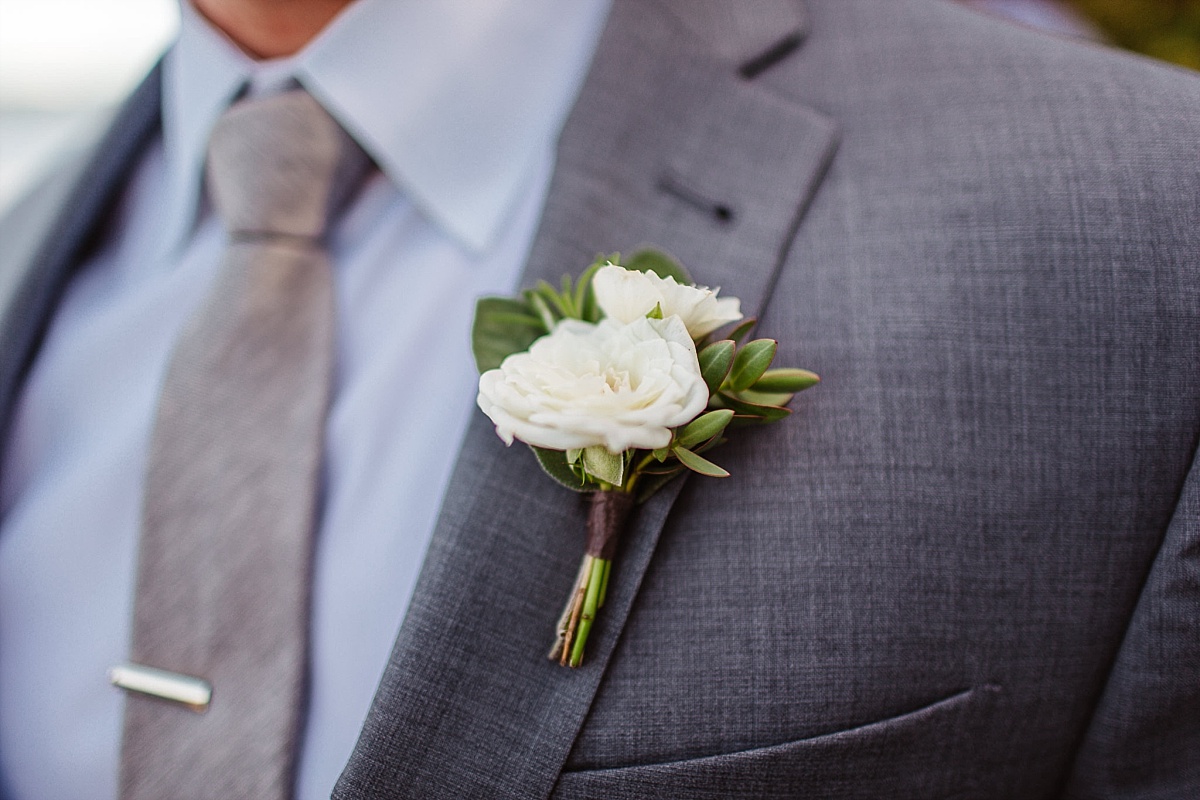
x=576, y=609
x=604, y=583
x=590, y=604
x=561, y=642
x=636, y=472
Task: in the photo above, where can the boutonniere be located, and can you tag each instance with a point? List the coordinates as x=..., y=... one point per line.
x=618, y=383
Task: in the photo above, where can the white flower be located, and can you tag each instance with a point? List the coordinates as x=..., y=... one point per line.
x=583, y=385
x=627, y=294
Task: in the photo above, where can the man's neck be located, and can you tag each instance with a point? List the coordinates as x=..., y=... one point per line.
x=270, y=28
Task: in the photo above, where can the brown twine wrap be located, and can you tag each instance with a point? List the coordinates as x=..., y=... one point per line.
x=606, y=520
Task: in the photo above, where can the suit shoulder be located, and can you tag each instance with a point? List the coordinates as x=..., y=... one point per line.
x=932, y=52
x=928, y=93
x=1115, y=80
x=957, y=128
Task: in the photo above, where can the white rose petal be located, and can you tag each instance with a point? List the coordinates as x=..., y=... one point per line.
x=611, y=384
x=627, y=294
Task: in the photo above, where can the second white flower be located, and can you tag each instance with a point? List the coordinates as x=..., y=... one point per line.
x=626, y=294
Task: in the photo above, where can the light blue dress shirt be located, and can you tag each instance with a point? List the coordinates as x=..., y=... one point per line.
x=460, y=104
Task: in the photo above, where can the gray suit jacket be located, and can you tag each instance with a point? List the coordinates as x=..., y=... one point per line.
x=969, y=566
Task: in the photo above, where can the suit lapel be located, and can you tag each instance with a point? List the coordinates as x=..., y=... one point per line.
x=48, y=236
x=667, y=146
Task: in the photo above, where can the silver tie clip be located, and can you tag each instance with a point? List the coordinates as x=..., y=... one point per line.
x=194, y=693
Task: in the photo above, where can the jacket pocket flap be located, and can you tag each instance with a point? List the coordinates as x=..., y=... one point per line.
x=925, y=753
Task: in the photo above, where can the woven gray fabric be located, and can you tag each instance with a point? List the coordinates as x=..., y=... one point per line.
x=224, y=560
x=968, y=566
x=918, y=586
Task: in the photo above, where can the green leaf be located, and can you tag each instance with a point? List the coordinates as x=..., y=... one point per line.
x=751, y=411
x=779, y=399
x=698, y=463
x=661, y=264
x=554, y=463
x=502, y=326
x=739, y=333
x=583, y=287
x=703, y=428
x=751, y=362
x=656, y=312
x=652, y=482
x=660, y=455
x=715, y=361
x=710, y=444
x=543, y=311
x=660, y=469
x=786, y=380
x=590, y=311
x=603, y=465
x=561, y=302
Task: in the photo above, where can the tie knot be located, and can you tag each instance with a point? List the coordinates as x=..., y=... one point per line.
x=280, y=165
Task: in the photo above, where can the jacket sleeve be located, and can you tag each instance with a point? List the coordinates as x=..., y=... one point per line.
x=1143, y=740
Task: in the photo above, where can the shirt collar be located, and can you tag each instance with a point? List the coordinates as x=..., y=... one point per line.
x=456, y=101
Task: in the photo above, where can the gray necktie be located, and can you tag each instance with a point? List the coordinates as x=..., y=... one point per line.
x=231, y=492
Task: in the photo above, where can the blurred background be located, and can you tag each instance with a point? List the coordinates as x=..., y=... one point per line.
x=1164, y=29
x=64, y=63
